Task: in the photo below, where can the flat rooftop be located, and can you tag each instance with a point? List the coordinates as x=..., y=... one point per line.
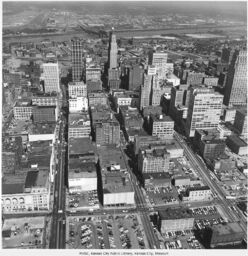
x=79, y=146
x=116, y=182
x=13, y=184
x=79, y=169
x=162, y=118
x=159, y=175
x=36, y=178
x=110, y=155
x=39, y=154
x=76, y=120
x=40, y=94
x=175, y=213
x=227, y=229
x=235, y=139
x=46, y=128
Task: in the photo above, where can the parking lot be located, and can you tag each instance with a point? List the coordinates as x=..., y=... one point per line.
x=23, y=233
x=162, y=195
x=206, y=212
x=105, y=232
x=182, y=239
x=82, y=200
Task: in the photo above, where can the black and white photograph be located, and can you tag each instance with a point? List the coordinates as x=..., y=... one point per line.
x=124, y=128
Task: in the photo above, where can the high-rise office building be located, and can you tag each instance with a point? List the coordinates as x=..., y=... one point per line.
x=240, y=122
x=135, y=76
x=227, y=55
x=77, y=59
x=159, y=60
x=145, y=94
x=179, y=102
x=112, y=51
x=236, y=83
x=204, y=111
x=51, y=77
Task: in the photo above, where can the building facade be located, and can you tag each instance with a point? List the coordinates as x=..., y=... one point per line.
x=236, y=83
x=77, y=89
x=51, y=77
x=79, y=104
x=204, y=111
x=162, y=127
x=77, y=59
x=153, y=160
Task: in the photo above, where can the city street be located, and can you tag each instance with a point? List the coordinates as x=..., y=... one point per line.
x=204, y=173
x=58, y=221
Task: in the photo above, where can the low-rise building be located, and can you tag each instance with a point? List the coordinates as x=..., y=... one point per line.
x=82, y=176
x=44, y=114
x=181, y=181
x=197, y=194
x=45, y=99
x=79, y=125
x=23, y=110
x=97, y=98
x=82, y=148
x=237, y=145
x=162, y=179
x=26, y=192
x=144, y=141
x=226, y=234
x=175, y=219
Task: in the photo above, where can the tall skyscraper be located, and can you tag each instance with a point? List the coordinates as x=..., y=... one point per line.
x=227, y=55
x=51, y=77
x=159, y=60
x=145, y=94
x=236, y=83
x=112, y=51
x=135, y=76
x=77, y=59
x=204, y=110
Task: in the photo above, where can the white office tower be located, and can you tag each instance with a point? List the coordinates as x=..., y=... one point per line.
x=51, y=77
x=204, y=110
x=159, y=60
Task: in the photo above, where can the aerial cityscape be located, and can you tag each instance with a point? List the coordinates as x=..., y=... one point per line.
x=124, y=125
